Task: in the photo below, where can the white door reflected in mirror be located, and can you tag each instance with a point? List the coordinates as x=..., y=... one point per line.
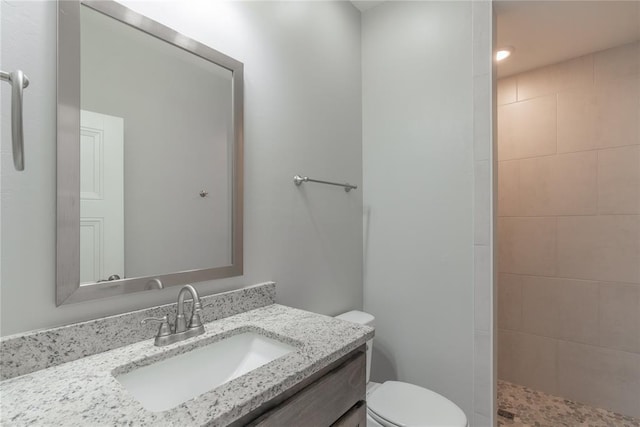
x=101, y=197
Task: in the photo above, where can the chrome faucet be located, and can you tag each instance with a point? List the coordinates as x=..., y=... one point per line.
x=181, y=331
x=194, y=323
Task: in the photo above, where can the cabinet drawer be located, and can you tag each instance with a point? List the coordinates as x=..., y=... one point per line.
x=356, y=417
x=323, y=402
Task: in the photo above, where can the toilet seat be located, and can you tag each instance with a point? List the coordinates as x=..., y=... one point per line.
x=402, y=404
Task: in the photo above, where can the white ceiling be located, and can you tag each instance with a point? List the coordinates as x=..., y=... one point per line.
x=546, y=32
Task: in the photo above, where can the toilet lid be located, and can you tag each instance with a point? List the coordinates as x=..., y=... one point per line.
x=406, y=404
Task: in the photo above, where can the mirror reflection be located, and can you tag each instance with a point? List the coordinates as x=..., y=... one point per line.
x=156, y=155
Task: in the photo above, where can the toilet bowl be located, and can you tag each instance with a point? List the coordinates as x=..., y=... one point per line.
x=396, y=403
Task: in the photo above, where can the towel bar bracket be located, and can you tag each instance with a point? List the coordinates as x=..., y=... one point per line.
x=4, y=76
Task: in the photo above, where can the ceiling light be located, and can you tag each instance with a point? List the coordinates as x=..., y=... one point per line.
x=504, y=53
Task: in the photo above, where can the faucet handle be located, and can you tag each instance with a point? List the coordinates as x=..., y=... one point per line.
x=165, y=328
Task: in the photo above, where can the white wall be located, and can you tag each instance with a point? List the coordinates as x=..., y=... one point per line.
x=418, y=180
x=303, y=115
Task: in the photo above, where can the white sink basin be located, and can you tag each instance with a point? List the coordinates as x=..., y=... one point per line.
x=167, y=383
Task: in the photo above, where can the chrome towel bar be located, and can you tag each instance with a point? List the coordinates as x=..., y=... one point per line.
x=298, y=180
x=18, y=82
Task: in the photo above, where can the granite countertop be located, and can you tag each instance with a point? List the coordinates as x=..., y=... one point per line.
x=84, y=391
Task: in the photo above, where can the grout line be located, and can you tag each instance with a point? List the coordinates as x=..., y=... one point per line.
x=593, y=69
x=574, y=88
x=566, y=340
x=519, y=189
x=556, y=148
x=570, y=215
x=557, y=366
x=598, y=314
x=598, y=182
x=612, y=282
x=571, y=152
x=555, y=255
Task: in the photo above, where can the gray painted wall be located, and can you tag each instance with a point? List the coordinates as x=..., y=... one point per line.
x=303, y=115
x=418, y=180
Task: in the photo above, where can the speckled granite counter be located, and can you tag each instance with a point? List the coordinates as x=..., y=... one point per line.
x=84, y=391
x=31, y=351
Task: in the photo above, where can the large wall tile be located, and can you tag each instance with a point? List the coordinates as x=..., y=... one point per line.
x=482, y=369
x=599, y=117
x=507, y=91
x=527, y=245
x=617, y=62
x=602, y=377
x=558, y=185
x=481, y=202
x=527, y=129
x=536, y=186
x=555, y=78
x=577, y=310
x=619, y=180
x=540, y=306
x=506, y=357
x=482, y=287
x=560, y=308
x=508, y=188
x=481, y=20
x=605, y=248
x=481, y=421
x=528, y=360
x=510, y=301
x=575, y=184
x=482, y=111
x=619, y=313
x=505, y=120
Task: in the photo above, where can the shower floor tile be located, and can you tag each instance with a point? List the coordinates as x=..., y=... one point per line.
x=536, y=409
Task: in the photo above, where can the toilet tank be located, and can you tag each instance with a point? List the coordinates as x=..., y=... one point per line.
x=362, y=318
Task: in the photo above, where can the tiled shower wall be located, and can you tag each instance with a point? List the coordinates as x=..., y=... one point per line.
x=569, y=229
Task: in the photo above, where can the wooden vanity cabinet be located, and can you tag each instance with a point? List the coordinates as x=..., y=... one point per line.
x=333, y=397
x=355, y=417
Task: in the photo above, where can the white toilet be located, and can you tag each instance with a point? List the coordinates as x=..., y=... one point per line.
x=395, y=404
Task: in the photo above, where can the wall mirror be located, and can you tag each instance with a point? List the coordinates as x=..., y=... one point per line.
x=149, y=163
